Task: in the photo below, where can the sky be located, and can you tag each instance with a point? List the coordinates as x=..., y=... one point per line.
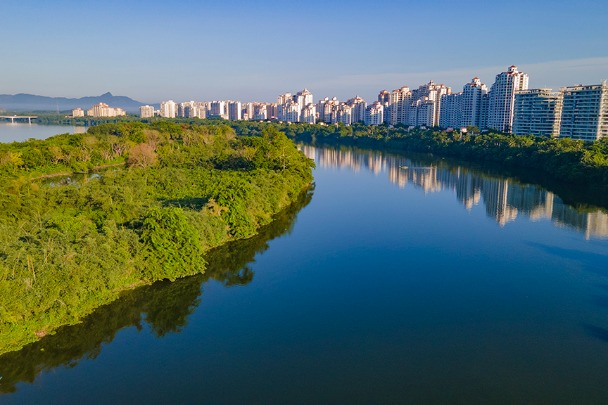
x=255, y=50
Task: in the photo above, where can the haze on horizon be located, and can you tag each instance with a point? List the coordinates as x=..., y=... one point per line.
x=253, y=51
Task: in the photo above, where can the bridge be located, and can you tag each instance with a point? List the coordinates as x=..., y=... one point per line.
x=29, y=118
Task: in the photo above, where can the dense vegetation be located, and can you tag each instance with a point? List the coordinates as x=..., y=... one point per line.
x=162, y=196
x=164, y=306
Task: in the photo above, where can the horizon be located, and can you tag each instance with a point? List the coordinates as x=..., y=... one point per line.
x=254, y=52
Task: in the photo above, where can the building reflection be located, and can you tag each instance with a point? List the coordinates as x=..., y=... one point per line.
x=504, y=199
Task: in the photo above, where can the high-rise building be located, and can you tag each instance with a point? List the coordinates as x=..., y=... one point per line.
x=471, y=103
x=272, y=111
x=358, y=109
x=537, y=112
x=384, y=97
x=248, y=111
x=168, y=109
x=400, y=102
x=234, y=110
x=218, y=109
x=502, y=98
x=185, y=109
x=260, y=112
x=303, y=98
x=344, y=114
x=585, y=112
x=374, y=114
x=146, y=111
x=326, y=109
x=309, y=114
x=426, y=113
x=451, y=111
x=424, y=95
x=291, y=108
x=202, y=109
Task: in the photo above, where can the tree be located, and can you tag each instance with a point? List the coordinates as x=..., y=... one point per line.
x=142, y=155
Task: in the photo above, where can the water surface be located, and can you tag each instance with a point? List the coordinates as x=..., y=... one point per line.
x=19, y=132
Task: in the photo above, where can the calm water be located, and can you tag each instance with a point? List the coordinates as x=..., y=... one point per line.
x=19, y=132
x=401, y=281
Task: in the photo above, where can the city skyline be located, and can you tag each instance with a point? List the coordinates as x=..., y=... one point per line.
x=237, y=50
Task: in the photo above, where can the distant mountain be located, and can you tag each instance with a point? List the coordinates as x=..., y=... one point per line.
x=30, y=102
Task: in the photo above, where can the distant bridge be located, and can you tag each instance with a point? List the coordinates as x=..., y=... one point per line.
x=29, y=118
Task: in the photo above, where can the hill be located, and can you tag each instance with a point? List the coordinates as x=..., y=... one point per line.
x=31, y=102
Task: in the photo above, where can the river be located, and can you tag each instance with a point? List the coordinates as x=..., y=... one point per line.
x=404, y=279
x=19, y=132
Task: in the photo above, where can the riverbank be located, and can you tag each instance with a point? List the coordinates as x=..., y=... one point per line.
x=562, y=160
x=66, y=249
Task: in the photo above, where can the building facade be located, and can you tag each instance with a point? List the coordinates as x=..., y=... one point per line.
x=374, y=114
x=104, y=110
x=584, y=112
x=168, y=109
x=146, y=111
x=502, y=98
x=537, y=112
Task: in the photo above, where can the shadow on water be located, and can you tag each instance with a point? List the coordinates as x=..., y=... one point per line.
x=164, y=306
x=591, y=262
x=597, y=332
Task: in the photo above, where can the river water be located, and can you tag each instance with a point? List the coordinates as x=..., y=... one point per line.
x=402, y=280
x=19, y=132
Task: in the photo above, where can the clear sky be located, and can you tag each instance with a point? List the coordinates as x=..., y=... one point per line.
x=254, y=50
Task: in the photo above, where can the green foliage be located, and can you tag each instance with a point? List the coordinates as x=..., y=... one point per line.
x=150, y=201
x=172, y=244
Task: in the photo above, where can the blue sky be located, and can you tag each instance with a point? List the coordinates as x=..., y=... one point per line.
x=253, y=50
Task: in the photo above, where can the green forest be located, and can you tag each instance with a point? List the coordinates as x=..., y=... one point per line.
x=85, y=217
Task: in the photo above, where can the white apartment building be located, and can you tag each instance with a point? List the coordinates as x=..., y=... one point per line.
x=283, y=98
x=168, y=109
x=374, y=114
x=427, y=94
x=190, y=109
x=303, y=98
x=146, y=111
x=585, y=112
x=344, y=114
x=326, y=109
x=400, y=103
x=451, y=111
x=537, y=112
x=235, y=110
x=358, y=106
x=288, y=104
x=427, y=113
x=77, y=112
x=248, y=111
x=309, y=114
x=472, y=104
x=218, y=109
x=465, y=108
x=289, y=112
x=260, y=112
x=502, y=98
x=104, y=110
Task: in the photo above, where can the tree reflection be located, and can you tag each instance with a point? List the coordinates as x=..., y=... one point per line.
x=164, y=306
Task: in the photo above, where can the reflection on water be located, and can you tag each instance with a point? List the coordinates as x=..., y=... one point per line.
x=504, y=199
x=164, y=306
